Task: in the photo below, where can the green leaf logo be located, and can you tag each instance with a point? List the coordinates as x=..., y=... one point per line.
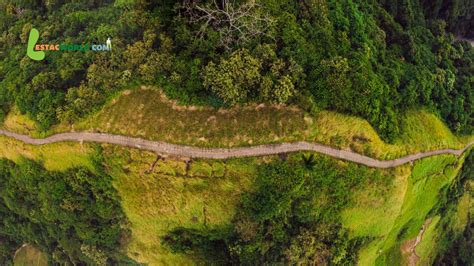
x=30, y=51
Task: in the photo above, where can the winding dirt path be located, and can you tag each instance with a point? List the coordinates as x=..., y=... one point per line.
x=223, y=153
x=409, y=247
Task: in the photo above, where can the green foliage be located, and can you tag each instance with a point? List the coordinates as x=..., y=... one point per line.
x=243, y=77
x=457, y=249
x=73, y=216
x=460, y=250
x=291, y=216
x=208, y=244
x=457, y=13
x=234, y=79
x=55, y=89
x=308, y=161
x=374, y=59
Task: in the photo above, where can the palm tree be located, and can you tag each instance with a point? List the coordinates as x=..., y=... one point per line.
x=308, y=161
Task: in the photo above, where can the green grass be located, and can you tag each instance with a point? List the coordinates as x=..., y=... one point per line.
x=28, y=255
x=462, y=212
x=146, y=112
x=160, y=200
x=423, y=130
x=376, y=206
x=420, y=131
x=19, y=123
x=55, y=157
x=396, y=213
x=430, y=244
x=375, y=209
x=422, y=194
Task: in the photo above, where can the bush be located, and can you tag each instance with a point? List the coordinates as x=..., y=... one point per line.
x=284, y=220
x=73, y=216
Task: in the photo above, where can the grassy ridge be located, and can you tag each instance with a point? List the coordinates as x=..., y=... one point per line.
x=204, y=195
x=157, y=199
x=147, y=113
x=427, y=179
x=396, y=214
x=160, y=198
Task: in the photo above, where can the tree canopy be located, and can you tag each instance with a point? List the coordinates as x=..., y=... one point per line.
x=291, y=216
x=75, y=216
x=374, y=59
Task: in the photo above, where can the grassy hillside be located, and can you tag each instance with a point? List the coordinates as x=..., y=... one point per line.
x=160, y=198
x=29, y=256
x=392, y=218
x=154, y=200
x=147, y=113
x=58, y=156
x=160, y=194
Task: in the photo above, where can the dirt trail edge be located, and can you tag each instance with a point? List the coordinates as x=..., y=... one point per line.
x=223, y=153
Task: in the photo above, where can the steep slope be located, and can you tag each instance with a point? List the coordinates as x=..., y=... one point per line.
x=161, y=194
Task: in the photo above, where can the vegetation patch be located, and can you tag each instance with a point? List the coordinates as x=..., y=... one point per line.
x=158, y=199
x=72, y=216
x=397, y=212
x=291, y=215
x=28, y=255
x=54, y=157
x=455, y=243
x=147, y=113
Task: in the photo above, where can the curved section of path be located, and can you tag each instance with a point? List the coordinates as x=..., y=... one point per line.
x=225, y=153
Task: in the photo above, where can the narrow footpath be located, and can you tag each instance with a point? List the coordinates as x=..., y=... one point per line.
x=223, y=153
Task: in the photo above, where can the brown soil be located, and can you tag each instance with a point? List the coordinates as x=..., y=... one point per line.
x=408, y=248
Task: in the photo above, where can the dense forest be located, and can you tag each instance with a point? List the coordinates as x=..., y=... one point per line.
x=74, y=217
x=374, y=59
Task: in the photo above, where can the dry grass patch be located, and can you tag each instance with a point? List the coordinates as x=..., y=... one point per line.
x=159, y=197
x=19, y=123
x=29, y=255
x=147, y=113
